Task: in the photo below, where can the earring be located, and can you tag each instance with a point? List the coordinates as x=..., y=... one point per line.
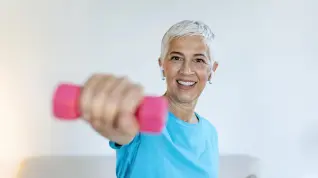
x=210, y=80
x=163, y=77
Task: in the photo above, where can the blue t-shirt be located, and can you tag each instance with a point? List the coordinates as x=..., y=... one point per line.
x=182, y=150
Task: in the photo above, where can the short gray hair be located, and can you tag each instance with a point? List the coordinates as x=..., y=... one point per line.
x=187, y=28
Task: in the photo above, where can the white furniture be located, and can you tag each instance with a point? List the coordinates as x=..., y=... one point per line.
x=231, y=166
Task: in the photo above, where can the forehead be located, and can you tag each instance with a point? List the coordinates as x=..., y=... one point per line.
x=188, y=44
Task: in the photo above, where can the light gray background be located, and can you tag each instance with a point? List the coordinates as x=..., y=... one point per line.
x=263, y=100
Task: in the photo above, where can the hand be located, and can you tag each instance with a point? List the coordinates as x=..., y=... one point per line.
x=108, y=103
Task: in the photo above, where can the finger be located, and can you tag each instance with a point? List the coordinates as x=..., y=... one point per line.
x=87, y=94
x=118, y=90
x=101, y=98
x=96, y=124
x=114, y=95
x=133, y=97
x=107, y=109
x=126, y=124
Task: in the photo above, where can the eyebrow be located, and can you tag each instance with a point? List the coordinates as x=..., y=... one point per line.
x=175, y=52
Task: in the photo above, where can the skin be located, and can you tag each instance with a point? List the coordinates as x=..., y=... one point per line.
x=182, y=55
x=108, y=103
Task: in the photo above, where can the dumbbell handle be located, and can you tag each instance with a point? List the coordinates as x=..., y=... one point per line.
x=151, y=113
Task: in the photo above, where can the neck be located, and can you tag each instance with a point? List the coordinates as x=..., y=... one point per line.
x=184, y=111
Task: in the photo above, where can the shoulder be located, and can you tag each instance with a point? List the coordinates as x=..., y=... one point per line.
x=208, y=125
x=212, y=133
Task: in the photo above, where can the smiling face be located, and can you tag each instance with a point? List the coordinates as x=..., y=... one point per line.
x=187, y=68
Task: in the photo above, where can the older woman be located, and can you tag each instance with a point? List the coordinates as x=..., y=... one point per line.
x=188, y=144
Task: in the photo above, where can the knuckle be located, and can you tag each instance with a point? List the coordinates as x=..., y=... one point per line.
x=108, y=76
x=96, y=124
x=129, y=131
x=96, y=109
x=86, y=116
x=124, y=123
x=124, y=78
x=137, y=93
x=138, y=88
x=92, y=78
x=109, y=112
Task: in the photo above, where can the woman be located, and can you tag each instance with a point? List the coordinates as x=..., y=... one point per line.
x=188, y=144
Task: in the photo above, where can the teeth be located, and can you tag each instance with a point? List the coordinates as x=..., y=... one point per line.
x=185, y=83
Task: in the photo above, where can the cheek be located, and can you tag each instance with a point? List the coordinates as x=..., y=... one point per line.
x=171, y=71
x=203, y=76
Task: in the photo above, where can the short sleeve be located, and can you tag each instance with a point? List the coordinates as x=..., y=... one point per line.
x=125, y=155
x=117, y=146
x=114, y=145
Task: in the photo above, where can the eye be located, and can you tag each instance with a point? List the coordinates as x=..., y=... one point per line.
x=200, y=60
x=175, y=58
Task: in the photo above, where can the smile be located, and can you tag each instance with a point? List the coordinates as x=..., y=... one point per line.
x=186, y=83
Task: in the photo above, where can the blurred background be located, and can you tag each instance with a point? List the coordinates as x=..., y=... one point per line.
x=263, y=100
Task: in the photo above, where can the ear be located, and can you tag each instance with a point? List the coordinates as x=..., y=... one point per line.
x=160, y=63
x=214, y=67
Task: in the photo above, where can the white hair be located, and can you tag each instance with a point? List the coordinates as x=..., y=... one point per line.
x=187, y=28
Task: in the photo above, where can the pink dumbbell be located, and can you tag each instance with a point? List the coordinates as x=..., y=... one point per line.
x=151, y=113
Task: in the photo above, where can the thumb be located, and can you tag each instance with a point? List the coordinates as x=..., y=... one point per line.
x=127, y=124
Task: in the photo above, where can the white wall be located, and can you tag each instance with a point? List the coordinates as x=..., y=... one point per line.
x=262, y=100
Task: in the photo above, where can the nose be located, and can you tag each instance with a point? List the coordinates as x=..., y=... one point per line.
x=186, y=68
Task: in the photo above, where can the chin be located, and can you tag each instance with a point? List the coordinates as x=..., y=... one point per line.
x=185, y=94
x=186, y=98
